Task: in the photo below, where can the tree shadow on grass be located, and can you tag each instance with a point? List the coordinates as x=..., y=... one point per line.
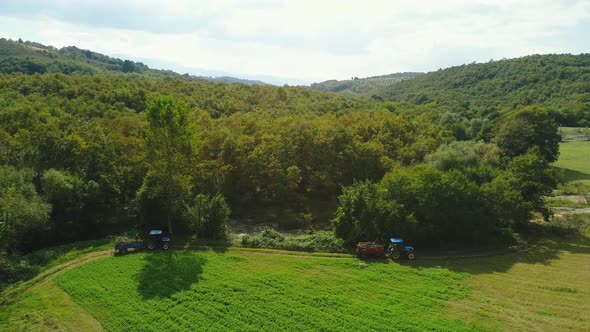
x=166, y=273
x=570, y=174
x=218, y=246
x=543, y=252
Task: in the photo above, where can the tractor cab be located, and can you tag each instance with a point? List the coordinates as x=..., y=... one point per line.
x=397, y=249
x=156, y=238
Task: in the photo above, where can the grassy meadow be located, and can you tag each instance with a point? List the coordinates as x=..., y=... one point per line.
x=573, y=166
x=575, y=157
x=571, y=200
x=212, y=291
x=544, y=288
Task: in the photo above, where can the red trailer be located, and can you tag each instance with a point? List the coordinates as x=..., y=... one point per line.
x=365, y=249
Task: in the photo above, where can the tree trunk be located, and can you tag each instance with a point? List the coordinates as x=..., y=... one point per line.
x=169, y=223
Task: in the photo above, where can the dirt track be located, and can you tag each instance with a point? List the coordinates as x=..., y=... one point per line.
x=51, y=273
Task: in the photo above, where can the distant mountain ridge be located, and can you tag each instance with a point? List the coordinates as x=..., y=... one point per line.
x=231, y=80
x=365, y=85
x=29, y=57
x=560, y=82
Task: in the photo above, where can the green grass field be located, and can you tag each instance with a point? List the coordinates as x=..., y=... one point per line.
x=211, y=291
x=575, y=156
x=544, y=288
x=574, y=166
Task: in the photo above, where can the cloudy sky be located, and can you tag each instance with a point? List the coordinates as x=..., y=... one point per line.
x=303, y=41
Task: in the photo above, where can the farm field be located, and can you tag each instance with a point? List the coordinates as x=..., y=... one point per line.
x=545, y=288
x=574, y=166
x=574, y=157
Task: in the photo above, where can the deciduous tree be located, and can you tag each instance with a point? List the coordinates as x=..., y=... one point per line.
x=169, y=140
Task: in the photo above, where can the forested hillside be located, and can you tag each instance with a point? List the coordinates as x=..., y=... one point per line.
x=30, y=58
x=366, y=86
x=561, y=83
x=34, y=58
x=92, y=153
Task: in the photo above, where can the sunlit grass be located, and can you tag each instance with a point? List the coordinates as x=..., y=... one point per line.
x=544, y=288
x=554, y=296
x=574, y=159
x=46, y=308
x=223, y=291
x=561, y=202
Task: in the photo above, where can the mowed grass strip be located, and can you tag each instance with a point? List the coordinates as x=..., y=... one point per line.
x=228, y=291
x=46, y=308
x=549, y=295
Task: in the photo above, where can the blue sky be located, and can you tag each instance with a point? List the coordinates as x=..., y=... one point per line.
x=304, y=41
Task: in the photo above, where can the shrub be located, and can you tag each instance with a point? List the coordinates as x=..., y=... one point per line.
x=567, y=224
x=208, y=216
x=364, y=215
x=268, y=238
x=323, y=241
x=13, y=271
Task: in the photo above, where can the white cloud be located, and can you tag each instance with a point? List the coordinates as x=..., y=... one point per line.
x=305, y=39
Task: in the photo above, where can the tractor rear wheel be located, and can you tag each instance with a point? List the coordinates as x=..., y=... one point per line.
x=151, y=246
x=395, y=254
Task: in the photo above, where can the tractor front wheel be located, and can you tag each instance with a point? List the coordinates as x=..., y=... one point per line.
x=411, y=256
x=165, y=246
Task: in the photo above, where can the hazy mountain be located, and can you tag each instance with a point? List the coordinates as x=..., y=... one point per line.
x=30, y=57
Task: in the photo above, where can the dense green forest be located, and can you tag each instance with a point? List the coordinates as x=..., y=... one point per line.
x=558, y=82
x=93, y=152
x=561, y=83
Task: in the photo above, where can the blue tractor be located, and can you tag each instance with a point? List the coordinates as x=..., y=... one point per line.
x=397, y=249
x=155, y=239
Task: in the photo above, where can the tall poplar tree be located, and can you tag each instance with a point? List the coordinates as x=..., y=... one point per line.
x=168, y=141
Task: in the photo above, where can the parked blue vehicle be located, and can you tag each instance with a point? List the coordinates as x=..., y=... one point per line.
x=397, y=249
x=123, y=247
x=154, y=240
